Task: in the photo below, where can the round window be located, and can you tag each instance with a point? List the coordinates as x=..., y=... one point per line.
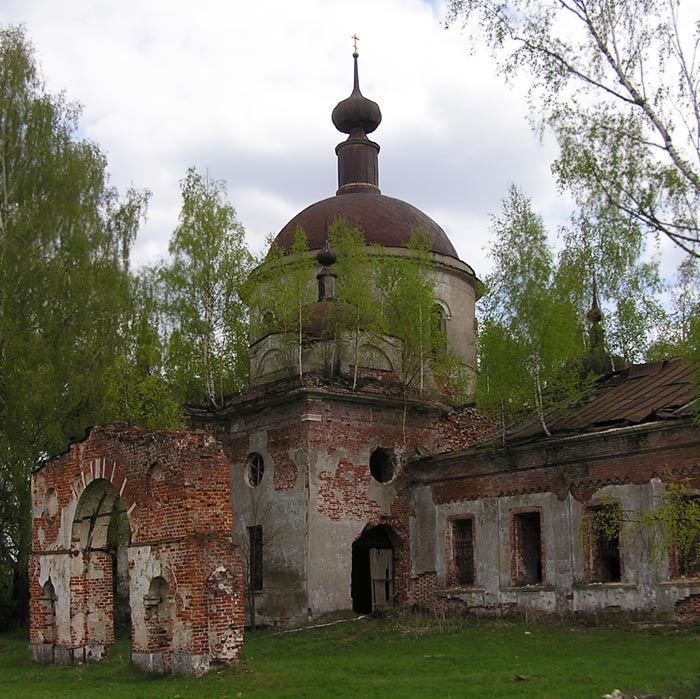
x=254, y=469
x=382, y=464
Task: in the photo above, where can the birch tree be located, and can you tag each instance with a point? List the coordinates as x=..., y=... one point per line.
x=407, y=298
x=531, y=335
x=618, y=84
x=65, y=237
x=208, y=337
x=282, y=288
x=136, y=390
x=357, y=268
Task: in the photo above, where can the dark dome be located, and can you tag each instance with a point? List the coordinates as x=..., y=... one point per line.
x=356, y=112
x=383, y=220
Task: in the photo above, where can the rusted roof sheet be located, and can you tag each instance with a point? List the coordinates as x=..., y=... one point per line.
x=384, y=221
x=640, y=393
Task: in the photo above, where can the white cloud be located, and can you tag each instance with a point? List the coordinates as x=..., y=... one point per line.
x=246, y=90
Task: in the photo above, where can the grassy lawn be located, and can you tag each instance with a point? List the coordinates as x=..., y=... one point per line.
x=396, y=657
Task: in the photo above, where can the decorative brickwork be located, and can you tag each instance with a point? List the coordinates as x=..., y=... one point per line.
x=185, y=583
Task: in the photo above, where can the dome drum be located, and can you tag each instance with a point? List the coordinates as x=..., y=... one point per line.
x=358, y=166
x=385, y=222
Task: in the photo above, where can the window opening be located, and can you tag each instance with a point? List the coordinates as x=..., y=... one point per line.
x=527, y=549
x=685, y=540
x=255, y=558
x=255, y=468
x=382, y=463
x=439, y=328
x=604, y=543
x=463, y=551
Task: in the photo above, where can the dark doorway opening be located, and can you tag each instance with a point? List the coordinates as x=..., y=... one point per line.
x=372, y=585
x=527, y=549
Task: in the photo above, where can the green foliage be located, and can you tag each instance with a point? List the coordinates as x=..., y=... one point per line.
x=406, y=286
x=136, y=391
x=603, y=250
x=64, y=284
x=207, y=348
x=675, y=525
x=118, y=533
x=280, y=288
x=603, y=522
x=357, y=269
x=617, y=84
x=378, y=295
x=672, y=526
x=531, y=336
x=680, y=334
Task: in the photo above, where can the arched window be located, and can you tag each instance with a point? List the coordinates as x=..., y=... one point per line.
x=439, y=328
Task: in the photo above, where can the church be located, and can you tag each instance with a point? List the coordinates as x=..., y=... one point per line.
x=318, y=490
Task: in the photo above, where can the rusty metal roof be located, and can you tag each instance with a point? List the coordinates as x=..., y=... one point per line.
x=383, y=220
x=640, y=393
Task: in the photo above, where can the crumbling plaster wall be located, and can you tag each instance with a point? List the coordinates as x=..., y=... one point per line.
x=326, y=439
x=348, y=499
x=559, y=479
x=278, y=504
x=174, y=487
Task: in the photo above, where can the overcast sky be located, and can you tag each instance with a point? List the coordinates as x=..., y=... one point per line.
x=245, y=90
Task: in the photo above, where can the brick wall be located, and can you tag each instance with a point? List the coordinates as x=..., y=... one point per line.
x=627, y=465
x=174, y=487
x=579, y=465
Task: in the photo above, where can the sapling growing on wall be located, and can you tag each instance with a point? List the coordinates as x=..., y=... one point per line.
x=357, y=269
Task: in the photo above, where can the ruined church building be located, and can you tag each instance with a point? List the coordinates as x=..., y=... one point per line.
x=305, y=495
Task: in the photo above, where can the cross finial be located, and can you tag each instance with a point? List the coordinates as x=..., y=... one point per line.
x=355, y=39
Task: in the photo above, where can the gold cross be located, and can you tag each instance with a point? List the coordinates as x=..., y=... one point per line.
x=355, y=39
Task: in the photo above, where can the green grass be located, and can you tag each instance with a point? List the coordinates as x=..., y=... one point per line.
x=396, y=657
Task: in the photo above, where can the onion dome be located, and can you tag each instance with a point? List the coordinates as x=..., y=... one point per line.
x=358, y=157
x=326, y=257
x=356, y=115
x=383, y=220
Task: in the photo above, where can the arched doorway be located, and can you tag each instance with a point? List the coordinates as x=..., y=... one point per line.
x=372, y=585
x=99, y=535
